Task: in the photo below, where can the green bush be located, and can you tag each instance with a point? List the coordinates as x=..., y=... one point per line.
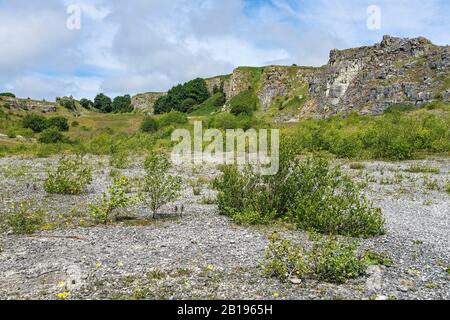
x=34, y=122
x=335, y=261
x=172, y=118
x=149, y=125
x=240, y=109
x=284, y=260
x=119, y=160
x=392, y=136
x=25, y=221
x=71, y=177
x=308, y=193
x=160, y=186
x=51, y=135
x=59, y=123
x=318, y=197
x=328, y=260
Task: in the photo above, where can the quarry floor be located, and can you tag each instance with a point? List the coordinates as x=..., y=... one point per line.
x=203, y=255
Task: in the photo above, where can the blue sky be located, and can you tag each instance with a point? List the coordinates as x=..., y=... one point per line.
x=149, y=45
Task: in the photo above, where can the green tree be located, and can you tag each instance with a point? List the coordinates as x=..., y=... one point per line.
x=122, y=104
x=183, y=97
x=7, y=94
x=103, y=103
x=87, y=104
x=160, y=187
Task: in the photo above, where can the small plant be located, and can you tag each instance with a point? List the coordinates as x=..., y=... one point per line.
x=431, y=184
x=24, y=220
x=196, y=187
x=284, y=259
x=377, y=259
x=160, y=187
x=71, y=177
x=357, y=166
x=335, y=261
x=447, y=187
x=119, y=160
x=423, y=169
x=115, y=198
x=328, y=260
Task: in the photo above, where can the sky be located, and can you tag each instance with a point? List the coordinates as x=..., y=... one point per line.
x=57, y=48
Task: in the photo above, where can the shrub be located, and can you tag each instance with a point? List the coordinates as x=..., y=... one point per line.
x=149, y=125
x=447, y=187
x=241, y=109
x=67, y=103
x=328, y=260
x=34, y=122
x=59, y=123
x=115, y=198
x=160, y=187
x=119, y=160
x=25, y=221
x=71, y=177
x=324, y=199
x=335, y=261
x=243, y=197
x=172, y=118
x=52, y=135
x=306, y=192
x=284, y=260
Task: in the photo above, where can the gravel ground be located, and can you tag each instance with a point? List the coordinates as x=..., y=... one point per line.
x=203, y=255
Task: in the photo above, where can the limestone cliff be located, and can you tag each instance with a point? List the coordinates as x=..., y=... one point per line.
x=366, y=80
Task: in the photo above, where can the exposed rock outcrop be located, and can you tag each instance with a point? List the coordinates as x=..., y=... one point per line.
x=145, y=102
x=370, y=79
x=366, y=80
x=29, y=105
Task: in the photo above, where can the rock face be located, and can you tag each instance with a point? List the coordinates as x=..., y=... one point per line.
x=370, y=79
x=29, y=105
x=145, y=102
x=366, y=80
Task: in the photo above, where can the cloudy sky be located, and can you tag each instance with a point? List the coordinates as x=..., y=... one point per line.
x=149, y=45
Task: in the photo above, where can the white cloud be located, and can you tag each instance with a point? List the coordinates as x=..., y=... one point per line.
x=149, y=45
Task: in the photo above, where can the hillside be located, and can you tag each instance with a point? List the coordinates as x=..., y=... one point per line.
x=367, y=80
